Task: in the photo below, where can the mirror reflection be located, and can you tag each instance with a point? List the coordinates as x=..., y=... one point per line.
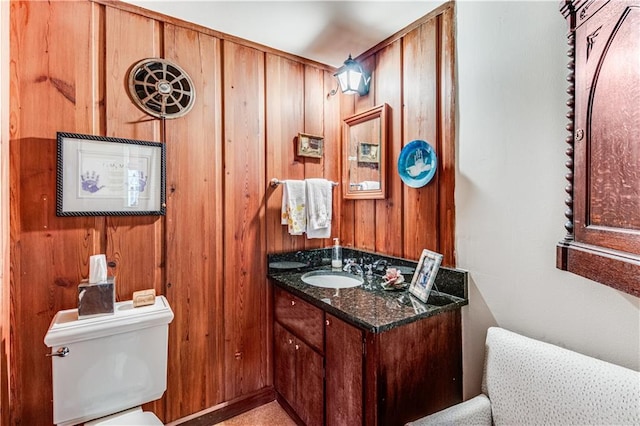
x=364, y=159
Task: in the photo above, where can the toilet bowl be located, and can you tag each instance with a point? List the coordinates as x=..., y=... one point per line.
x=104, y=368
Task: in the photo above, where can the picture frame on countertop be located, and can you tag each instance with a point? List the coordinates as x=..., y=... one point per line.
x=108, y=176
x=425, y=274
x=310, y=145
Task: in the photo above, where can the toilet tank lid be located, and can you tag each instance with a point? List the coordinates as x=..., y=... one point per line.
x=66, y=328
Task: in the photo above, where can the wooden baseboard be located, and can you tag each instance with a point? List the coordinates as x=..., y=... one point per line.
x=227, y=410
x=290, y=411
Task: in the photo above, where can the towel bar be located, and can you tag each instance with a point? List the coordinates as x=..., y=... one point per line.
x=275, y=182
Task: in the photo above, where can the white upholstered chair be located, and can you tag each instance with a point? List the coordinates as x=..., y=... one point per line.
x=529, y=382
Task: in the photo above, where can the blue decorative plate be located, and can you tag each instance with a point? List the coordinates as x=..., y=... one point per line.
x=417, y=163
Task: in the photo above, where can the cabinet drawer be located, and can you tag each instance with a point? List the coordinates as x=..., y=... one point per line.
x=303, y=319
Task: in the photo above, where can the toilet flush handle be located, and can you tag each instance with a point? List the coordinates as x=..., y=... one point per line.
x=62, y=352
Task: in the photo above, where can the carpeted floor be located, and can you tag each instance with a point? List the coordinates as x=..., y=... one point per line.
x=270, y=414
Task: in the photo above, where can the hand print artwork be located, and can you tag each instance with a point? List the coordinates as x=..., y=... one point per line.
x=90, y=181
x=136, y=184
x=109, y=176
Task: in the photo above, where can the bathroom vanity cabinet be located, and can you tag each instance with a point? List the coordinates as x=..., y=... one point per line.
x=298, y=356
x=332, y=369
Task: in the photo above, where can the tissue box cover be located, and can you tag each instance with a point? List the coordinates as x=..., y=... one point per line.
x=95, y=299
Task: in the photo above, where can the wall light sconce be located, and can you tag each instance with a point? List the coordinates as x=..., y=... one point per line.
x=352, y=78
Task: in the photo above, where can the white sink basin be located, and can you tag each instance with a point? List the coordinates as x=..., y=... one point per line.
x=331, y=279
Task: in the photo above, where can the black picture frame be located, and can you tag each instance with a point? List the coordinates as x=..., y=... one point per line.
x=108, y=176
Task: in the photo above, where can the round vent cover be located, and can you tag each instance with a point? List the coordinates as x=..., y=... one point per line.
x=161, y=89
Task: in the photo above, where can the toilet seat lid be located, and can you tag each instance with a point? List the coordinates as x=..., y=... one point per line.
x=135, y=417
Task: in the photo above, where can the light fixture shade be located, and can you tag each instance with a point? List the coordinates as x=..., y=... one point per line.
x=353, y=78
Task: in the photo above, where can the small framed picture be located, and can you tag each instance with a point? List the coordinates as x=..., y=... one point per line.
x=425, y=274
x=368, y=152
x=310, y=145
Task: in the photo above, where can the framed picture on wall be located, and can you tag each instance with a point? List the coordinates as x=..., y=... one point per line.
x=368, y=152
x=310, y=145
x=425, y=274
x=105, y=176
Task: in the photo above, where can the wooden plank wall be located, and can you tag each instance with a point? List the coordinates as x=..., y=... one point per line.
x=4, y=214
x=69, y=63
x=413, y=74
x=193, y=239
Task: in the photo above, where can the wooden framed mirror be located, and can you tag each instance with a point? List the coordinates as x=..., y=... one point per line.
x=364, y=154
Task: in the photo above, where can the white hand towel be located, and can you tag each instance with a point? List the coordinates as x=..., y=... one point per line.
x=369, y=185
x=319, y=208
x=293, y=206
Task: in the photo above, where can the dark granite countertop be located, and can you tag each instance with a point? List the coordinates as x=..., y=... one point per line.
x=367, y=307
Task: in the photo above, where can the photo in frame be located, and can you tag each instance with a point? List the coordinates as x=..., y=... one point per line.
x=310, y=145
x=425, y=274
x=107, y=176
x=368, y=152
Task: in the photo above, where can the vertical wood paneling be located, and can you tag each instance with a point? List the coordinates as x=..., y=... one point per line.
x=284, y=94
x=447, y=146
x=420, y=118
x=245, y=296
x=5, y=304
x=332, y=147
x=49, y=92
x=194, y=246
x=348, y=207
x=314, y=124
x=134, y=243
x=414, y=76
x=388, y=229
x=365, y=222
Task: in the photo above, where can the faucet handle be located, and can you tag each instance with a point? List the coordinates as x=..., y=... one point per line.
x=348, y=263
x=380, y=265
x=380, y=262
x=369, y=269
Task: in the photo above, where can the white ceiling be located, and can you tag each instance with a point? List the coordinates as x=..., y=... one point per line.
x=324, y=31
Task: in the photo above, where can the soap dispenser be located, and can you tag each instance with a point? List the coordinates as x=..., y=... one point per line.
x=336, y=254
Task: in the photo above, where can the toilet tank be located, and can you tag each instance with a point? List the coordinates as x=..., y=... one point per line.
x=113, y=362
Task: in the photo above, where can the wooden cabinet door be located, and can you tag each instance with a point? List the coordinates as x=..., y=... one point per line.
x=284, y=363
x=309, y=384
x=344, y=371
x=299, y=375
x=607, y=151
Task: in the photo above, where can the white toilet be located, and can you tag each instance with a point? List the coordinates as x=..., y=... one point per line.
x=104, y=368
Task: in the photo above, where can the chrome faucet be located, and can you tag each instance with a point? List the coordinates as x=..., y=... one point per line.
x=351, y=265
x=380, y=265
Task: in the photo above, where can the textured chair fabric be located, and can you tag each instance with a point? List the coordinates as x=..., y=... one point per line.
x=529, y=382
x=475, y=411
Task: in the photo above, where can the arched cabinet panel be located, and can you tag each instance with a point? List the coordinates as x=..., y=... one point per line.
x=603, y=228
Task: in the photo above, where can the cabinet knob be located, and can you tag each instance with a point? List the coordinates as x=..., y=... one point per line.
x=290, y=341
x=293, y=303
x=297, y=347
x=327, y=322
